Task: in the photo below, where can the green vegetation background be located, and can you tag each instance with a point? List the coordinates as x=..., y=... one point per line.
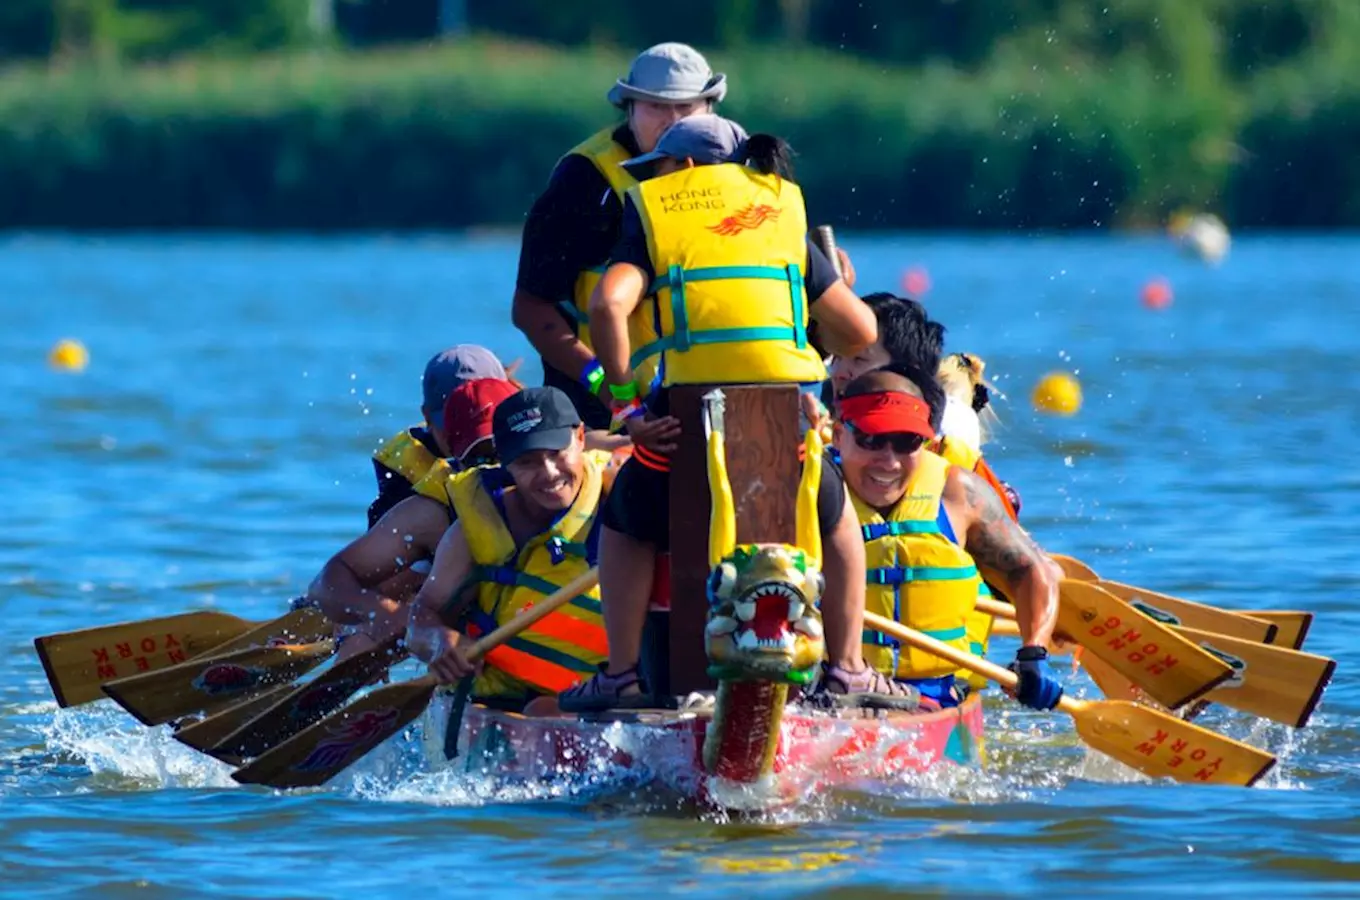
x=951, y=114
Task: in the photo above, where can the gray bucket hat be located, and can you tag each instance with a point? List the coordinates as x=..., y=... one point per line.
x=669, y=73
x=707, y=139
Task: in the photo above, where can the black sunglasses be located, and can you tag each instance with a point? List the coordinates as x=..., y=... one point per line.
x=902, y=443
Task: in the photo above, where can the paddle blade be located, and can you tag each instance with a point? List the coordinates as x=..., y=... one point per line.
x=1175, y=611
x=1163, y=746
x=1109, y=681
x=1166, y=666
x=1275, y=683
x=206, y=733
x=1291, y=628
x=299, y=626
x=212, y=683
x=78, y=662
x=319, y=753
x=309, y=703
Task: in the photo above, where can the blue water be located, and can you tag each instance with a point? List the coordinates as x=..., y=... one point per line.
x=215, y=452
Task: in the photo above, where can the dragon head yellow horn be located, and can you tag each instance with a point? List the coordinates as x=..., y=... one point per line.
x=808, y=528
x=722, y=523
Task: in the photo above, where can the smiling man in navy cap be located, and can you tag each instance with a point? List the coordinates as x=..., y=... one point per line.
x=523, y=529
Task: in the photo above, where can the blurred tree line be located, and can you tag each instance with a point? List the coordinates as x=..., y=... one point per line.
x=906, y=113
x=1196, y=37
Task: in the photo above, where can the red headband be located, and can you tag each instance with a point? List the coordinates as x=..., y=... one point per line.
x=891, y=412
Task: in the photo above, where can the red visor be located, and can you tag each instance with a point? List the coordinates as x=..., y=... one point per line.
x=887, y=413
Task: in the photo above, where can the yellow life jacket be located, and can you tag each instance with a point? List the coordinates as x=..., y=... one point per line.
x=916, y=575
x=961, y=454
x=563, y=647
x=405, y=456
x=606, y=154
x=437, y=484
x=958, y=452
x=729, y=246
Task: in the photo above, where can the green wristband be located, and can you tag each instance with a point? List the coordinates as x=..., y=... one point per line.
x=624, y=392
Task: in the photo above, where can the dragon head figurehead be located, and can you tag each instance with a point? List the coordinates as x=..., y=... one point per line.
x=764, y=623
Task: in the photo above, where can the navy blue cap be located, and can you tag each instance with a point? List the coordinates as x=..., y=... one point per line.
x=540, y=418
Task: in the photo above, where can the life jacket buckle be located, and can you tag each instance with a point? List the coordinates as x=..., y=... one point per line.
x=887, y=576
x=556, y=551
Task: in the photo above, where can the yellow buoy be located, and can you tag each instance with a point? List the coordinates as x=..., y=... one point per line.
x=1057, y=393
x=68, y=356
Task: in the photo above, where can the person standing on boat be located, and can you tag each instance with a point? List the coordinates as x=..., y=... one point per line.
x=410, y=454
x=523, y=529
x=725, y=228
x=931, y=529
x=574, y=223
x=365, y=588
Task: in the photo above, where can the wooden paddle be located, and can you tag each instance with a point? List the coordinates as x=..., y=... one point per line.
x=207, y=732
x=308, y=703
x=319, y=753
x=1146, y=739
x=1273, y=682
x=78, y=662
x=212, y=683
x=1174, y=610
x=1291, y=626
x=1167, y=666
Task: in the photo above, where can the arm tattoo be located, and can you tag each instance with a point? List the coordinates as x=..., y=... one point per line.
x=994, y=541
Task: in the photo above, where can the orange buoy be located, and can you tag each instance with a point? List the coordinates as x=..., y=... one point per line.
x=915, y=282
x=1157, y=294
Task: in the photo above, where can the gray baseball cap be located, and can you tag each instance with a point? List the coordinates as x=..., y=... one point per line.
x=669, y=73
x=446, y=371
x=707, y=139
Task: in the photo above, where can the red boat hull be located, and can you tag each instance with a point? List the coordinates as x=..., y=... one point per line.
x=816, y=750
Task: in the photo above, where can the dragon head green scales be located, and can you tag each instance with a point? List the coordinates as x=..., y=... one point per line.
x=763, y=616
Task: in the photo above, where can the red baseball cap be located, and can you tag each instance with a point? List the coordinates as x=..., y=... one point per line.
x=469, y=410
x=888, y=412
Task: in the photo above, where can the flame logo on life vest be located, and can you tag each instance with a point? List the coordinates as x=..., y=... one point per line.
x=746, y=219
x=358, y=733
x=227, y=678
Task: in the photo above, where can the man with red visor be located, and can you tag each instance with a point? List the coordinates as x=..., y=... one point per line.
x=928, y=528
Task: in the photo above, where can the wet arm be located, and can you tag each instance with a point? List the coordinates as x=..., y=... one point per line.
x=616, y=296
x=427, y=633
x=845, y=324
x=1006, y=555
x=544, y=327
x=350, y=587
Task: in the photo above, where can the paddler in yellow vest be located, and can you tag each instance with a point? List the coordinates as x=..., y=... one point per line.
x=907, y=335
x=725, y=230
x=524, y=529
x=931, y=529
x=366, y=587
x=574, y=223
x=409, y=455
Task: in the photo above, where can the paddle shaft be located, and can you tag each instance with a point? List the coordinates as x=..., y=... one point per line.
x=489, y=642
x=1146, y=739
x=990, y=670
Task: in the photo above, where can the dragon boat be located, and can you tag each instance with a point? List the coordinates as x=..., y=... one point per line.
x=750, y=599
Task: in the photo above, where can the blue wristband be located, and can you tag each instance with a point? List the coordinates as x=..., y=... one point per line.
x=592, y=376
